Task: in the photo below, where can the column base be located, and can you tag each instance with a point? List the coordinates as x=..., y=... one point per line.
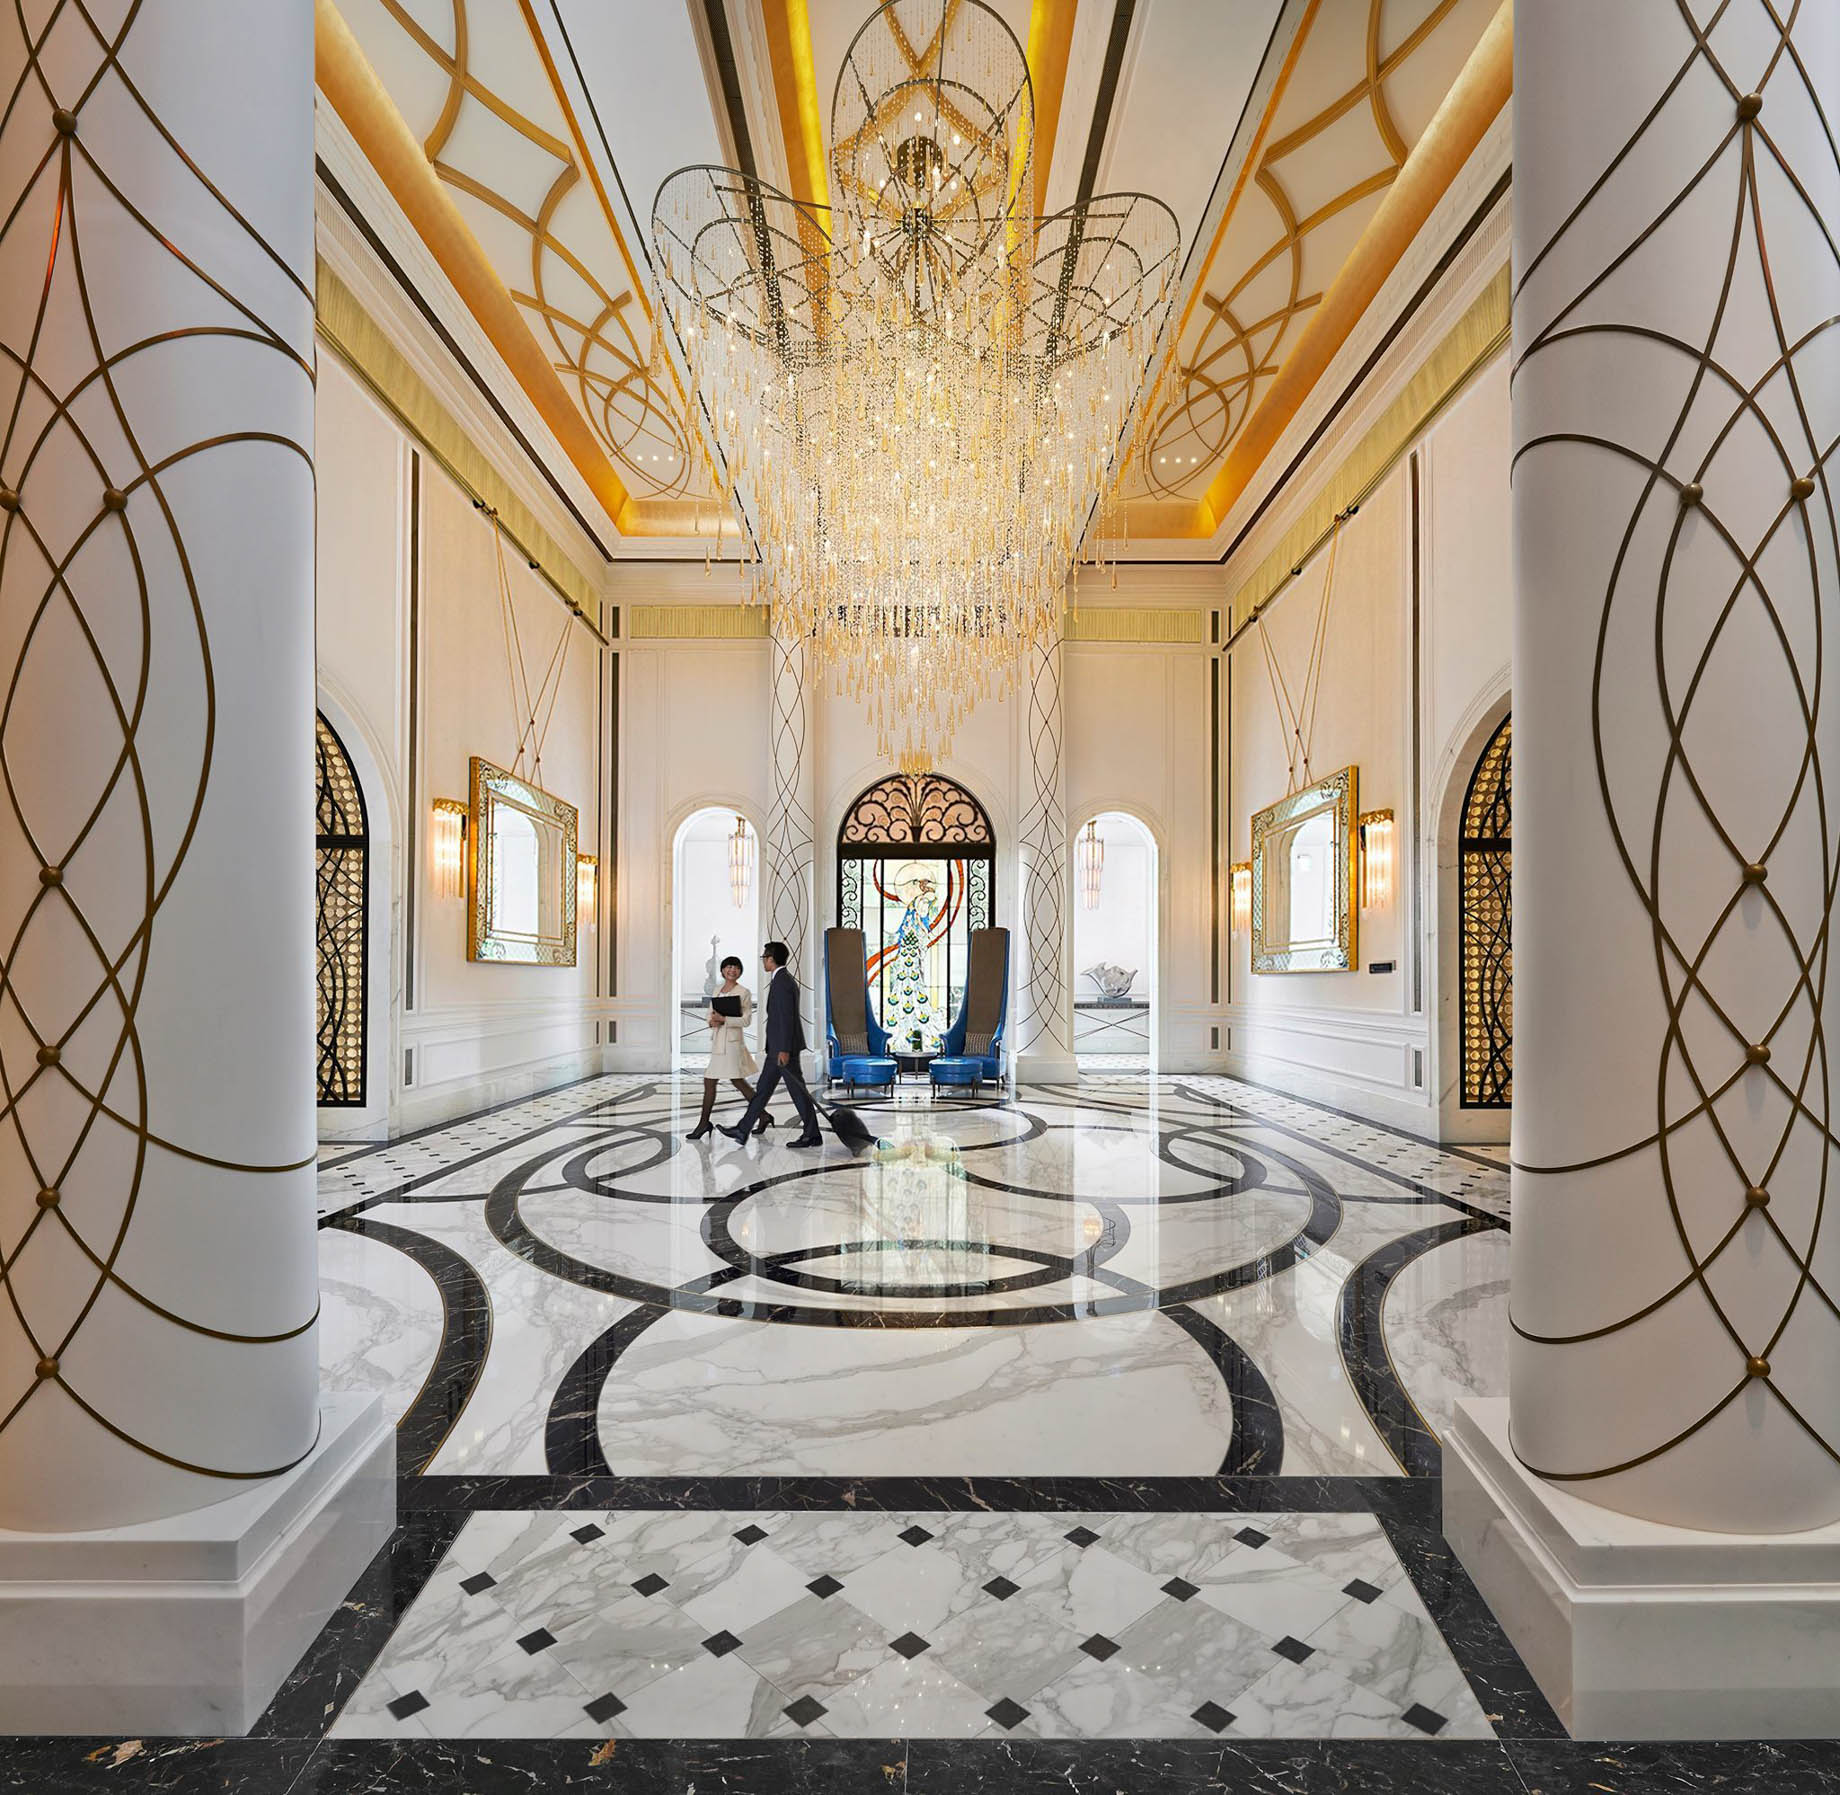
x=1046, y=1068
x=190, y=1624
x=1636, y=1630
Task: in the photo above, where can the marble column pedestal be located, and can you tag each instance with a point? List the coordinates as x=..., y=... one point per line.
x=188, y=1625
x=1636, y=1630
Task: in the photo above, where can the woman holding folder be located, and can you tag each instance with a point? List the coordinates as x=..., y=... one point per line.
x=731, y=1009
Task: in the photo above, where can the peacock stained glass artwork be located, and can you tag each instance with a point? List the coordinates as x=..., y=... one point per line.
x=915, y=393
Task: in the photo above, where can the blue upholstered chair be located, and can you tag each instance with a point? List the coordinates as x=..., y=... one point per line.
x=971, y=1055
x=858, y=1044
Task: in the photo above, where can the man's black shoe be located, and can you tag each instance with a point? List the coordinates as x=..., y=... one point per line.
x=737, y=1135
x=807, y=1140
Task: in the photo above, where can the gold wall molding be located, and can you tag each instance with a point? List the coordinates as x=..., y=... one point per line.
x=348, y=81
x=1474, y=341
x=363, y=345
x=698, y=623
x=1117, y=624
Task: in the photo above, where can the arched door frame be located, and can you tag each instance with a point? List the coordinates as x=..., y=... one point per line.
x=1443, y=922
x=374, y=1121
x=676, y=822
x=1159, y=919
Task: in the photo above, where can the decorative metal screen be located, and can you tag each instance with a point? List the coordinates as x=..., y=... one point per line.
x=916, y=872
x=1485, y=935
x=343, y=861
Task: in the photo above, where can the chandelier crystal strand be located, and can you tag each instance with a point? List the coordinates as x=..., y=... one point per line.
x=918, y=406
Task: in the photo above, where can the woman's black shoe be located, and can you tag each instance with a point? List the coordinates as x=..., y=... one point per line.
x=697, y=1133
x=763, y=1124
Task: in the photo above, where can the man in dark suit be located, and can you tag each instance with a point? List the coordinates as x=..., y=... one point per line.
x=785, y=1042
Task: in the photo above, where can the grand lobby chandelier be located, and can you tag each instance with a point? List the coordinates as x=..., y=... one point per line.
x=916, y=399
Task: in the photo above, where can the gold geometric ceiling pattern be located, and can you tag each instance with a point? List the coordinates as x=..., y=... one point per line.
x=1364, y=80
x=477, y=86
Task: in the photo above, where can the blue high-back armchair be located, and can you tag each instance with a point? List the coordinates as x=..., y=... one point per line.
x=858, y=1044
x=972, y=1051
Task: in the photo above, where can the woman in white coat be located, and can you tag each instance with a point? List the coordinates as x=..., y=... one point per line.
x=728, y=1049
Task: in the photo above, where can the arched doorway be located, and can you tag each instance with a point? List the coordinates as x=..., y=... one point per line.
x=342, y=842
x=916, y=872
x=1114, y=944
x=715, y=911
x=1485, y=946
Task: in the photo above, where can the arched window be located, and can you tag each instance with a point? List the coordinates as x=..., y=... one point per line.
x=343, y=840
x=1486, y=945
x=916, y=872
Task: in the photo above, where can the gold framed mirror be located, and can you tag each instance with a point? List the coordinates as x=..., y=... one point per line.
x=521, y=874
x=1304, y=850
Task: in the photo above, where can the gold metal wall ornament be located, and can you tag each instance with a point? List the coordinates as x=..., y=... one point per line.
x=522, y=872
x=1485, y=937
x=1305, y=850
x=918, y=397
x=342, y=914
x=1376, y=859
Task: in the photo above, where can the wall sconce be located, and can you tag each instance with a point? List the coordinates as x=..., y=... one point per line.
x=1242, y=896
x=741, y=863
x=447, y=847
x=1376, y=859
x=1089, y=852
x=587, y=889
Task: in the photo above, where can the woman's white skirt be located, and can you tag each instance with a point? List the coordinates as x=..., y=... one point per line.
x=728, y=1053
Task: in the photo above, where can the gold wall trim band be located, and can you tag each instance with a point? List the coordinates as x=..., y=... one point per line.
x=1474, y=341
x=347, y=80
x=795, y=89
x=360, y=342
x=702, y=623
x=1116, y=624
x=1050, y=43
x=1458, y=126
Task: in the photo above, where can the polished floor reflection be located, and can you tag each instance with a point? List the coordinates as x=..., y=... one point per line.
x=1182, y=1277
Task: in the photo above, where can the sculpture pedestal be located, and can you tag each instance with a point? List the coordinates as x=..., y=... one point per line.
x=189, y=1625
x=1635, y=1630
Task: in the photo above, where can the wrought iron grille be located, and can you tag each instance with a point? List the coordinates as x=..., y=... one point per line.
x=342, y=837
x=1486, y=946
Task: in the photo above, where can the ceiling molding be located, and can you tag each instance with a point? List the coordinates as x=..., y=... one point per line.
x=1050, y=44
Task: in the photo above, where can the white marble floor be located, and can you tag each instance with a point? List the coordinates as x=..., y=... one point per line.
x=668, y=1624
x=1127, y=1277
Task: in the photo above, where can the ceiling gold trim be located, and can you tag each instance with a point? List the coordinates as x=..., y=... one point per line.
x=795, y=89
x=1457, y=127
x=1115, y=623
x=1050, y=44
x=1476, y=338
x=347, y=79
x=704, y=623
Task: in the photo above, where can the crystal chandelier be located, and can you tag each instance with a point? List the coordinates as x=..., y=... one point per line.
x=1089, y=853
x=741, y=863
x=916, y=400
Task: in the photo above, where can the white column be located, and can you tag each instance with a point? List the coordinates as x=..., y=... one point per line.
x=789, y=848
x=1676, y=1261
x=158, y=1347
x=1044, y=990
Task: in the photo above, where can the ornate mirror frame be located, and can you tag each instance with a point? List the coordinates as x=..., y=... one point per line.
x=1338, y=790
x=492, y=786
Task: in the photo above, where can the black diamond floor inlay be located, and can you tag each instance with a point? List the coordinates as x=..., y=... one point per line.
x=1214, y=1717
x=406, y=1705
x=1361, y=1591
x=1008, y=1714
x=1251, y=1536
x=604, y=1707
x=1427, y=1720
x=589, y=1534
x=824, y=1587
x=804, y=1711
x=909, y=1645
x=1099, y=1647
x=719, y=1645
x=1082, y=1537
x=1001, y=1588
x=538, y=1641
x=651, y=1584
x=1181, y=1589
x=916, y=1535
x=479, y=1582
x=1294, y=1649
x=751, y=1535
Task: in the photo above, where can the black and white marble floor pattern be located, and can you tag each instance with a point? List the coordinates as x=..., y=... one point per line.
x=1081, y=1438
